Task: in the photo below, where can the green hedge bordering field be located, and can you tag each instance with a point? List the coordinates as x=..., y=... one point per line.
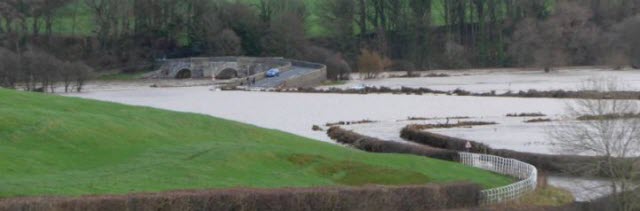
x=427, y=197
x=371, y=144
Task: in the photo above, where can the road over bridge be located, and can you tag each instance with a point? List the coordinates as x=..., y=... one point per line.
x=295, y=72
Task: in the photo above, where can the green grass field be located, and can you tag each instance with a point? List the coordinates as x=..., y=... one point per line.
x=53, y=145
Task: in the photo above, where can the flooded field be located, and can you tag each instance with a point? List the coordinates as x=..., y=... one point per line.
x=297, y=113
x=503, y=80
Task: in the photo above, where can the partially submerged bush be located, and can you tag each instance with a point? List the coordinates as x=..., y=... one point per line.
x=608, y=116
x=461, y=92
x=371, y=63
x=537, y=120
x=538, y=114
x=627, y=95
x=437, y=75
x=371, y=144
x=454, y=125
x=364, y=121
x=411, y=118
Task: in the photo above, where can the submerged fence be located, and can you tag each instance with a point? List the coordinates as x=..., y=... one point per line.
x=526, y=173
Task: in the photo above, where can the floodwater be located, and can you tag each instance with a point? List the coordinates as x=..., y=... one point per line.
x=297, y=112
x=503, y=80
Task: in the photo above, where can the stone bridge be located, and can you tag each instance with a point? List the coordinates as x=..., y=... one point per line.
x=219, y=67
x=236, y=70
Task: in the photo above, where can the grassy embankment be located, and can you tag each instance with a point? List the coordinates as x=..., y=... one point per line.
x=52, y=145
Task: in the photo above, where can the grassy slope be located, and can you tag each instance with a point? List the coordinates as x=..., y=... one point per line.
x=52, y=145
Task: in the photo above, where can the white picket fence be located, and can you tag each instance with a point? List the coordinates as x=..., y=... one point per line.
x=527, y=175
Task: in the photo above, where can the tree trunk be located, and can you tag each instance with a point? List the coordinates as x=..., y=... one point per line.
x=35, y=26
x=49, y=26
x=362, y=22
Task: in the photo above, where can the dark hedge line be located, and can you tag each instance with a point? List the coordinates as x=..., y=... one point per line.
x=562, y=94
x=371, y=144
x=427, y=197
x=565, y=164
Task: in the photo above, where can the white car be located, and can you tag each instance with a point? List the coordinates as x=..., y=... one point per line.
x=273, y=73
x=360, y=86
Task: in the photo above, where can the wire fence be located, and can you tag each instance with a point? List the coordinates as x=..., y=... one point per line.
x=527, y=175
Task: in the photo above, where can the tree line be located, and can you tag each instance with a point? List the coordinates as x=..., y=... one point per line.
x=36, y=70
x=428, y=34
x=398, y=34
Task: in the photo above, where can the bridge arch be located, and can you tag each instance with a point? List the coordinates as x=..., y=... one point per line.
x=227, y=73
x=184, y=74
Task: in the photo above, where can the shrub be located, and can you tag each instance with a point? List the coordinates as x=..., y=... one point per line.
x=437, y=75
x=526, y=115
x=371, y=63
x=608, y=116
x=447, y=125
x=337, y=67
x=537, y=120
x=364, y=121
x=370, y=144
x=455, y=56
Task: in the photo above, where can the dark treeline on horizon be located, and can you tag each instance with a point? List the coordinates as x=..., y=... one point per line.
x=371, y=34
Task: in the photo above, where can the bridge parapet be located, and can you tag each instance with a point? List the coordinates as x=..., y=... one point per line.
x=210, y=67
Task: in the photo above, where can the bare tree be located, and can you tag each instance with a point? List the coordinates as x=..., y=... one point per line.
x=610, y=130
x=338, y=18
x=30, y=70
x=228, y=43
x=40, y=67
x=337, y=67
x=455, y=55
x=567, y=37
x=268, y=10
x=66, y=75
x=81, y=73
x=9, y=68
x=371, y=64
x=111, y=18
x=49, y=9
x=626, y=38
x=285, y=36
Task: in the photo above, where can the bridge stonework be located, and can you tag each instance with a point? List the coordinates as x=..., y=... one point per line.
x=200, y=67
x=235, y=70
